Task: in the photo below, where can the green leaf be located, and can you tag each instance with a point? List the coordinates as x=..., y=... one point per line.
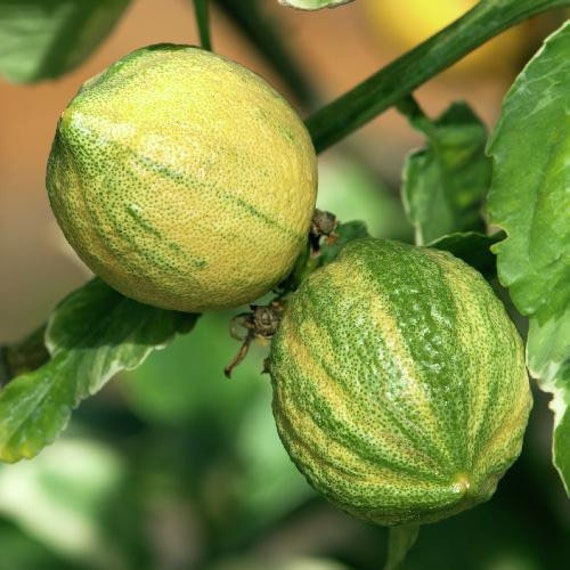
x=93, y=334
x=349, y=188
x=474, y=248
x=293, y=563
x=345, y=233
x=307, y=262
x=529, y=199
x=445, y=182
x=548, y=356
x=62, y=499
x=160, y=391
x=41, y=39
x=313, y=4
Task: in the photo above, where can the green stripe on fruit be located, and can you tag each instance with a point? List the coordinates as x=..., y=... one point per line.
x=400, y=388
x=183, y=180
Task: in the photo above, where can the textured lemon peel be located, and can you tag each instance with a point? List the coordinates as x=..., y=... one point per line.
x=183, y=180
x=374, y=457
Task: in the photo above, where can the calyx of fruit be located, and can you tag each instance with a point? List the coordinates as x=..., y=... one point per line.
x=400, y=387
x=183, y=179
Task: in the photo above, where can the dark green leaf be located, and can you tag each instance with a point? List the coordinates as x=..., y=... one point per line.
x=307, y=262
x=474, y=248
x=93, y=334
x=445, y=182
x=530, y=200
x=548, y=355
x=346, y=233
x=41, y=39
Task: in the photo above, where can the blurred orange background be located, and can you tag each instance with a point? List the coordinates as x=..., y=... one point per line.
x=336, y=48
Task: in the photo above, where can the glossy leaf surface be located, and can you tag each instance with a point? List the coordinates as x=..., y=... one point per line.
x=43, y=39
x=93, y=334
x=446, y=181
x=529, y=199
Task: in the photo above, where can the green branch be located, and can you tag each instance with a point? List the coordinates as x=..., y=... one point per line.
x=388, y=86
x=269, y=38
x=203, y=21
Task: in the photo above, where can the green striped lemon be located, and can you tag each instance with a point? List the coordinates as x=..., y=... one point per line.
x=400, y=387
x=183, y=179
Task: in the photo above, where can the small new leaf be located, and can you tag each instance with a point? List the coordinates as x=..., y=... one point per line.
x=446, y=182
x=529, y=199
x=313, y=4
x=93, y=334
x=41, y=39
x=345, y=233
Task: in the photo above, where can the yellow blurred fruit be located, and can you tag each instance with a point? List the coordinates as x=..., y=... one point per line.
x=406, y=23
x=183, y=179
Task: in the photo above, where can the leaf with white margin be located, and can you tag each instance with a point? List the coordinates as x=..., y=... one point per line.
x=313, y=4
x=91, y=336
x=530, y=200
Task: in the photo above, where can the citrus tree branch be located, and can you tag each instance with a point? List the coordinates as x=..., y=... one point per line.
x=270, y=39
x=388, y=86
x=203, y=21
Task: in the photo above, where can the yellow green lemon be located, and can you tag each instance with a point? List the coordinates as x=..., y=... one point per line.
x=399, y=382
x=183, y=179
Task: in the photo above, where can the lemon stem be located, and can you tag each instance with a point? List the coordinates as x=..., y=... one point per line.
x=400, y=540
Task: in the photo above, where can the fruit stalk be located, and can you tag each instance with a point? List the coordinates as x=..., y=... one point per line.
x=400, y=540
x=390, y=84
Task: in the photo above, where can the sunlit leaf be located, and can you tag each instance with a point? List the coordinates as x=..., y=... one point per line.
x=92, y=335
x=41, y=39
x=530, y=200
x=313, y=4
x=295, y=563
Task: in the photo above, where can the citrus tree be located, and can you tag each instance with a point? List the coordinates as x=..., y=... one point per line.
x=188, y=185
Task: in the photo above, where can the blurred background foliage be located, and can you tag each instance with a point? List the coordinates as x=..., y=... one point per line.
x=174, y=467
